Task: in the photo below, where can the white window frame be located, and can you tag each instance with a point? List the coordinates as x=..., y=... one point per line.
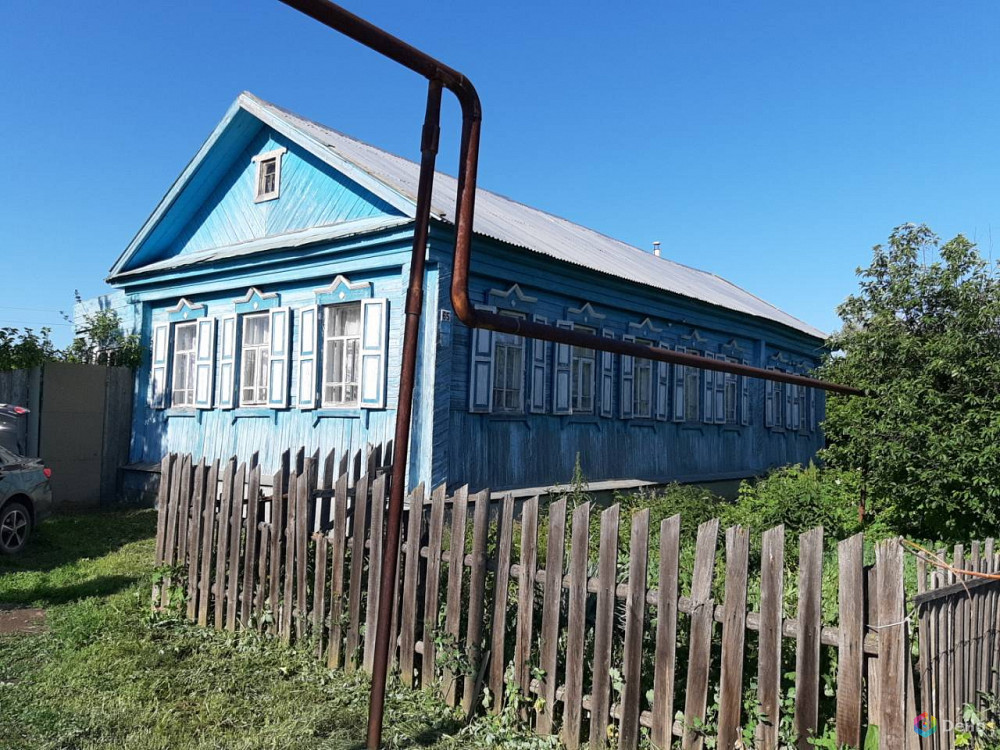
x=262, y=370
x=642, y=365
x=327, y=338
x=260, y=160
x=191, y=356
x=579, y=357
x=730, y=388
x=508, y=342
x=777, y=402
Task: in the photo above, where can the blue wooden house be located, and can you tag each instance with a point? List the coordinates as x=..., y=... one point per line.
x=268, y=287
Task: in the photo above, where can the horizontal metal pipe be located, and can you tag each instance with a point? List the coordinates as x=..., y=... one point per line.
x=530, y=329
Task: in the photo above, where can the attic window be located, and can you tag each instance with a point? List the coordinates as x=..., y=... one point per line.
x=268, y=179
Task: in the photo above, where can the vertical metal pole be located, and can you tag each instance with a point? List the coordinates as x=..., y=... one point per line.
x=404, y=408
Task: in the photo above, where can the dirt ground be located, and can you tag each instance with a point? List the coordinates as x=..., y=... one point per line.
x=15, y=620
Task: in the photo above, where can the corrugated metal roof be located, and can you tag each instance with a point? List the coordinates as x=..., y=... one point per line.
x=517, y=224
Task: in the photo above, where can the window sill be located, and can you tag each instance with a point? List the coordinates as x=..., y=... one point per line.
x=509, y=417
x=335, y=413
x=182, y=413
x=253, y=412
x=584, y=419
x=647, y=422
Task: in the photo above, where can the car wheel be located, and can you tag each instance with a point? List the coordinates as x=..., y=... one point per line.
x=15, y=525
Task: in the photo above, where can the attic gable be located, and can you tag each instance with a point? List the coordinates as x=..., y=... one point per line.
x=214, y=202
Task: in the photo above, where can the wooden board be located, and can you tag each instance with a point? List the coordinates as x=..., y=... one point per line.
x=575, y=643
x=604, y=623
x=635, y=613
x=733, y=634
x=411, y=582
x=851, y=625
x=665, y=659
x=702, y=625
x=551, y=608
x=338, y=544
x=524, y=634
x=807, y=644
x=477, y=592
x=456, y=570
x=499, y=627
x=772, y=602
x=432, y=605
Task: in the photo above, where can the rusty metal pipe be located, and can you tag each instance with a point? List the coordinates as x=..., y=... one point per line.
x=441, y=75
x=404, y=415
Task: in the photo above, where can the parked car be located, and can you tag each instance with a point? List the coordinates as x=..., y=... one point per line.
x=25, y=498
x=13, y=428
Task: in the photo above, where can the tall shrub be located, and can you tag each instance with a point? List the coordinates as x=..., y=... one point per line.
x=922, y=337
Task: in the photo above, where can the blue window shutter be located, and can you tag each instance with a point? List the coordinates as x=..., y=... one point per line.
x=769, y=403
x=305, y=397
x=158, y=372
x=374, y=352
x=539, y=371
x=787, y=389
x=227, y=362
x=277, y=379
x=561, y=387
x=813, y=416
x=628, y=382
x=720, y=394
x=745, y=398
x=481, y=369
x=663, y=387
x=796, y=411
x=679, y=389
x=607, y=378
x=708, y=409
x=204, y=364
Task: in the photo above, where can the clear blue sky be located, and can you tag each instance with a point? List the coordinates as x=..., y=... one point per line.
x=770, y=142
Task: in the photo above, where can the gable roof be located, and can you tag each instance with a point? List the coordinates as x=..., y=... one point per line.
x=395, y=179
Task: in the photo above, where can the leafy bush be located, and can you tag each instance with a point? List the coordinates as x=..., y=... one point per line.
x=801, y=498
x=921, y=338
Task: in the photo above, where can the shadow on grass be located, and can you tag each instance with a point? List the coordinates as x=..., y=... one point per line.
x=425, y=738
x=47, y=595
x=66, y=539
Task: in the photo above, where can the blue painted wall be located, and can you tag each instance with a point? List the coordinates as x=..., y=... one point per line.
x=524, y=450
x=448, y=443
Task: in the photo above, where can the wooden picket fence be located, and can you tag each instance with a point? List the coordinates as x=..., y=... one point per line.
x=959, y=635
x=598, y=634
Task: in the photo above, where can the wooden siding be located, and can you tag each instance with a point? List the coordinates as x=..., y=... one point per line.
x=312, y=194
x=525, y=450
x=448, y=443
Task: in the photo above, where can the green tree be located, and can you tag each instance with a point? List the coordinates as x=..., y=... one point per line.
x=23, y=348
x=101, y=341
x=922, y=338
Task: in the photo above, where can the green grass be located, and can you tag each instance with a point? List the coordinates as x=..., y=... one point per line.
x=110, y=675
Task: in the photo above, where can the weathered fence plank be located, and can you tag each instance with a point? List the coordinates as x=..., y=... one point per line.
x=374, y=566
x=338, y=536
x=526, y=594
x=772, y=602
x=665, y=659
x=235, y=540
x=477, y=591
x=702, y=624
x=551, y=608
x=456, y=574
x=497, y=632
x=362, y=505
x=807, y=644
x=223, y=541
x=733, y=635
x=893, y=661
x=607, y=575
x=194, y=538
x=579, y=550
x=428, y=665
x=635, y=611
x=250, y=557
x=850, y=657
x=411, y=582
x=207, y=535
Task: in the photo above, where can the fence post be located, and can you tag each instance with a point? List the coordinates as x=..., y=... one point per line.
x=733, y=635
x=850, y=655
x=807, y=645
x=892, y=642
